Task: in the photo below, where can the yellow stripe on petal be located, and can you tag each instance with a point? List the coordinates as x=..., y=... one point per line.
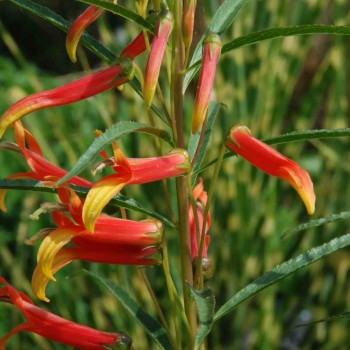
x=2, y=200
x=40, y=281
x=50, y=246
x=99, y=195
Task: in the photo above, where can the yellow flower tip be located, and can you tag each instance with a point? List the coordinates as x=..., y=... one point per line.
x=186, y=163
x=230, y=137
x=39, y=283
x=71, y=47
x=300, y=180
x=157, y=234
x=197, y=120
x=2, y=200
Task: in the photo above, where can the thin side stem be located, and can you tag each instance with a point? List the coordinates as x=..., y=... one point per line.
x=206, y=209
x=171, y=293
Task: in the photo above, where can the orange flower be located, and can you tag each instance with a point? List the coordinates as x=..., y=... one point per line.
x=83, y=88
x=77, y=29
x=54, y=327
x=161, y=35
x=267, y=159
x=211, y=53
x=41, y=169
x=115, y=241
x=130, y=171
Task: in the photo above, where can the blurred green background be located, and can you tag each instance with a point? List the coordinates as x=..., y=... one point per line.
x=273, y=87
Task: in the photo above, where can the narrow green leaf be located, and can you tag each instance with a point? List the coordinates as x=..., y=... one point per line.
x=121, y=11
x=213, y=110
x=282, y=271
x=273, y=33
x=152, y=326
x=115, y=132
x=205, y=301
x=326, y=319
x=308, y=135
x=117, y=201
x=221, y=21
x=318, y=222
x=135, y=84
x=52, y=17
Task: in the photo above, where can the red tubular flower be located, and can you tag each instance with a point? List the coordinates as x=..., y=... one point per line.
x=115, y=241
x=188, y=21
x=201, y=200
x=54, y=327
x=267, y=159
x=161, y=35
x=86, y=87
x=211, y=53
x=136, y=47
x=131, y=171
x=77, y=29
x=41, y=169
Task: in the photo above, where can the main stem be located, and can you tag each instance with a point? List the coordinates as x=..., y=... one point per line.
x=181, y=186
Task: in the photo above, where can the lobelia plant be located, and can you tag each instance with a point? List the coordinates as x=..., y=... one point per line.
x=158, y=65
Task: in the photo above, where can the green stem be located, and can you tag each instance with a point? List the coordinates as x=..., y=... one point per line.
x=171, y=293
x=181, y=186
x=206, y=210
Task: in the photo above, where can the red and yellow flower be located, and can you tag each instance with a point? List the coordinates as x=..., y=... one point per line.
x=115, y=241
x=135, y=48
x=54, y=327
x=161, y=35
x=41, y=169
x=267, y=159
x=211, y=53
x=77, y=29
x=91, y=85
x=130, y=171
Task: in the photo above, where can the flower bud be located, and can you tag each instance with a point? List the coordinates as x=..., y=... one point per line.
x=211, y=53
x=161, y=35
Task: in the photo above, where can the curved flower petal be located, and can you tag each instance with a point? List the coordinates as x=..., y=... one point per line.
x=99, y=195
x=23, y=327
x=136, y=47
x=56, y=328
x=50, y=246
x=83, y=88
x=76, y=30
x=40, y=281
x=270, y=161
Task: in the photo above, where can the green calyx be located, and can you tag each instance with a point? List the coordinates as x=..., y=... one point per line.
x=127, y=66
